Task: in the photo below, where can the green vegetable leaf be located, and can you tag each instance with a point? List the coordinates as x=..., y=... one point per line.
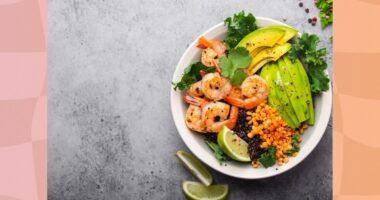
x=268, y=158
x=226, y=66
x=239, y=26
x=326, y=12
x=315, y=59
x=218, y=153
x=237, y=59
x=191, y=75
x=240, y=57
x=295, y=145
x=319, y=80
x=295, y=138
x=238, y=77
x=294, y=149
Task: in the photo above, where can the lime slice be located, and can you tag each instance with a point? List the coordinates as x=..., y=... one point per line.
x=195, y=167
x=233, y=145
x=195, y=191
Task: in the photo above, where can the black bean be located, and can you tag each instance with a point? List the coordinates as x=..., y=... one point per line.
x=254, y=148
x=242, y=128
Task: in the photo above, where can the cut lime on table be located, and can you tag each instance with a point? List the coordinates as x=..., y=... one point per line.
x=195, y=191
x=195, y=167
x=233, y=145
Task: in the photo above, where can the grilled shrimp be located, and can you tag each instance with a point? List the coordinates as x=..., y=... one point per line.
x=197, y=101
x=195, y=89
x=209, y=57
x=215, y=115
x=215, y=87
x=218, y=114
x=213, y=50
x=253, y=91
x=194, y=119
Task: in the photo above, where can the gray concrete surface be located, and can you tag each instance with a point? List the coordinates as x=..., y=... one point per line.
x=111, y=134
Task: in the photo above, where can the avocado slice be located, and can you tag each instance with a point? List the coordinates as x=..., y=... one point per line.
x=263, y=37
x=293, y=88
x=306, y=84
x=257, y=51
x=277, y=98
x=289, y=33
x=267, y=55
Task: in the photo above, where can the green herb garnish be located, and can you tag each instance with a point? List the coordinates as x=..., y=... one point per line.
x=268, y=158
x=192, y=75
x=295, y=145
x=326, y=12
x=218, y=153
x=306, y=47
x=231, y=66
x=239, y=26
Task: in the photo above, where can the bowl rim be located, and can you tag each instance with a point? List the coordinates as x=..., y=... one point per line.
x=300, y=157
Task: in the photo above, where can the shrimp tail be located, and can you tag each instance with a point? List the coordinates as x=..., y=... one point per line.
x=252, y=103
x=235, y=101
x=233, y=117
x=216, y=64
x=194, y=100
x=204, y=43
x=247, y=104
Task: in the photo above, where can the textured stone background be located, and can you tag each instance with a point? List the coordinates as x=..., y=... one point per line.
x=111, y=134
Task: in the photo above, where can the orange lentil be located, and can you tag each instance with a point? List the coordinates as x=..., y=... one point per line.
x=273, y=131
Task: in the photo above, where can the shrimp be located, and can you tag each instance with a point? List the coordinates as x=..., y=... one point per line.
x=218, y=114
x=215, y=87
x=209, y=57
x=215, y=114
x=194, y=119
x=195, y=89
x=197, y=101
x=213, y=50
x=254, y=90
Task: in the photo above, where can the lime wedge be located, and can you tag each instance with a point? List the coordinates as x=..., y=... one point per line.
x=195, y=191
x=195, y=167
x=233, y=145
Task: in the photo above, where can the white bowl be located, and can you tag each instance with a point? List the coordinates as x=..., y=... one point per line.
x=195, y=142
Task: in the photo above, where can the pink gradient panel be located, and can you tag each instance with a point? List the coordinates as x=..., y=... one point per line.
x=17, y=173
x=22, y=75
x=39, y=123
x=23, y=100
x=40, y=160
x=22, y=29
x=16, y=121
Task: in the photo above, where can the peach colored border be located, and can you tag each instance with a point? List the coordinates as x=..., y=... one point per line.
x=23, y=100
x=356, y=154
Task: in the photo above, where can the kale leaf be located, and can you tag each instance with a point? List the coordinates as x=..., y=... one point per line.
x=295, y=145
x=231, y=66
x=239, y=26
x=192, y=75
x=326, y=12
x=218, y=153
x=306, y=47
x=268, y=158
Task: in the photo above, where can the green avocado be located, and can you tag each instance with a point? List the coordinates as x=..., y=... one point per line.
x=264, y=37
x=267, y=55
x=257, y=51
x=289, y=33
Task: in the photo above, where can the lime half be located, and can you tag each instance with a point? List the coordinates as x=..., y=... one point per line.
x=233, y=145
x=195, y=167
x=195, y=191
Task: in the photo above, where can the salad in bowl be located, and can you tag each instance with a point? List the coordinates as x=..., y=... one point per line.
x=251, y=97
